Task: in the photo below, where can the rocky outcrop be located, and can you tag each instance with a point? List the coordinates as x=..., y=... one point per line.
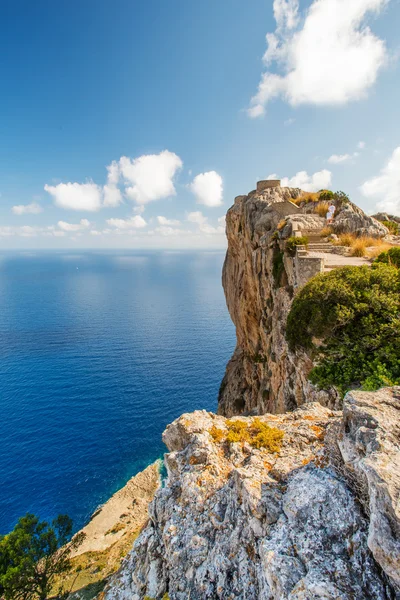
x=237, y=521
x=370, y=448
x=351, y=219
x=259, y=281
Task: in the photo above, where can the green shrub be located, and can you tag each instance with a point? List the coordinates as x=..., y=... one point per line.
x=293, y=242
x=355, y=313
x=390, y=257
x=393, y=227
x=326, y=195
x=341, y=197
x=277, y=266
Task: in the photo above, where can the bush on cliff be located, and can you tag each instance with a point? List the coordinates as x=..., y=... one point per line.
x=33, y=556
x=391, y=257
x=293, y=242
x=349, y=320
x=393, y=227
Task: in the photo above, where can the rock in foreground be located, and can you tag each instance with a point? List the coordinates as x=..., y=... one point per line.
x=239, y=521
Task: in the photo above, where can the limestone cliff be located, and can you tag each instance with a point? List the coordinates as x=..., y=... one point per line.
x=260, y=279
x=263, y=375
x=317, y=518
x=292, y=499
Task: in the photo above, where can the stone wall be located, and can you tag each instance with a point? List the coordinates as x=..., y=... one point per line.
x=267, y=184
x=307, y=267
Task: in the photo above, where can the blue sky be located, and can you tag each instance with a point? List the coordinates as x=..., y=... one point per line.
x=188, y=93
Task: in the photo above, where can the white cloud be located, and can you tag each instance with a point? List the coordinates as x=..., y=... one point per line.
x=197, y=217
x=203, y=225
x=27, y=209
x=166, y=231
x=165, y=221
x=83, y=224
x=29, y=231
x=136, y=222
x=208, y=188
x=361, y=145
x=309, y=183
x=386, y=185
x=336, y=159
x=150, y=177
x=112, y=194
x=331, y=59
x=289, y=122
x=76, y=196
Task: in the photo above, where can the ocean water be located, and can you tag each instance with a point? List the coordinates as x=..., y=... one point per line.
x=98, y=353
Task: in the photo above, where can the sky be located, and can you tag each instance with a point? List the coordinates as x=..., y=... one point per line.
x=135, y=123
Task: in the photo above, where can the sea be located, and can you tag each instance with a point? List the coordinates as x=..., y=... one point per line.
x=99, y=351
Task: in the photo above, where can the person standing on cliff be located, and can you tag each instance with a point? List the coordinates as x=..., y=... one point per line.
x=330, y=213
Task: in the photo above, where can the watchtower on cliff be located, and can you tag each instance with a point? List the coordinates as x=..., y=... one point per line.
x=266, y=184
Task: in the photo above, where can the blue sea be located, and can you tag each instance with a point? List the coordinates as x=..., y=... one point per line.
x=99, y=351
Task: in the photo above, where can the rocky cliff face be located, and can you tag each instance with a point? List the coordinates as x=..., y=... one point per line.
x=299, y=504
x=317, y=519
x=260, y=281
x=263, y=375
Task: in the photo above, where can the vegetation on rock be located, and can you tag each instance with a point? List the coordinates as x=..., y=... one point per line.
x=390, y=257
x=256, y=433
x=349, y=319
x=293, y=242
x=278, y=266
x=393, y=227
x=33, y=556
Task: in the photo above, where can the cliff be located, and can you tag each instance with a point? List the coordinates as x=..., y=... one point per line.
x=292, y=498
x=316, y=517
x=110, y=533
x=260, y=279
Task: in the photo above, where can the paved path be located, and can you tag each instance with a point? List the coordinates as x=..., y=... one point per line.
x=337, y=260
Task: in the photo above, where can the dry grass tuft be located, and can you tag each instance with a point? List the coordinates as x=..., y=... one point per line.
x=326, y=231
x=321, y=208
x=359, y=245
x=281, y=224
x=346, y=239
x=257, y=433
x=377, y=249
x=310, y=197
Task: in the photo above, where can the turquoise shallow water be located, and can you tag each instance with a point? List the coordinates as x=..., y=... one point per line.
x=98, y=352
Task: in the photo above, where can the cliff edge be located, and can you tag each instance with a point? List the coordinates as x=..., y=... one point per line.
x=311, y=512
x=260, y=279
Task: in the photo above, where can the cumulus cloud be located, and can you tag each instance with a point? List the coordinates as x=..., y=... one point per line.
x=29, y=231
x=208, y=188
x=112, y=194
x=150, y=177
x=331, y=58
x=136, y=222
x=83, y=224
x=164, y=221
x=27, y=209
x=336, y=159
x=203, y=225
x=166, y=231
x=386, y=185
x=309, y=183
x=76, y=196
